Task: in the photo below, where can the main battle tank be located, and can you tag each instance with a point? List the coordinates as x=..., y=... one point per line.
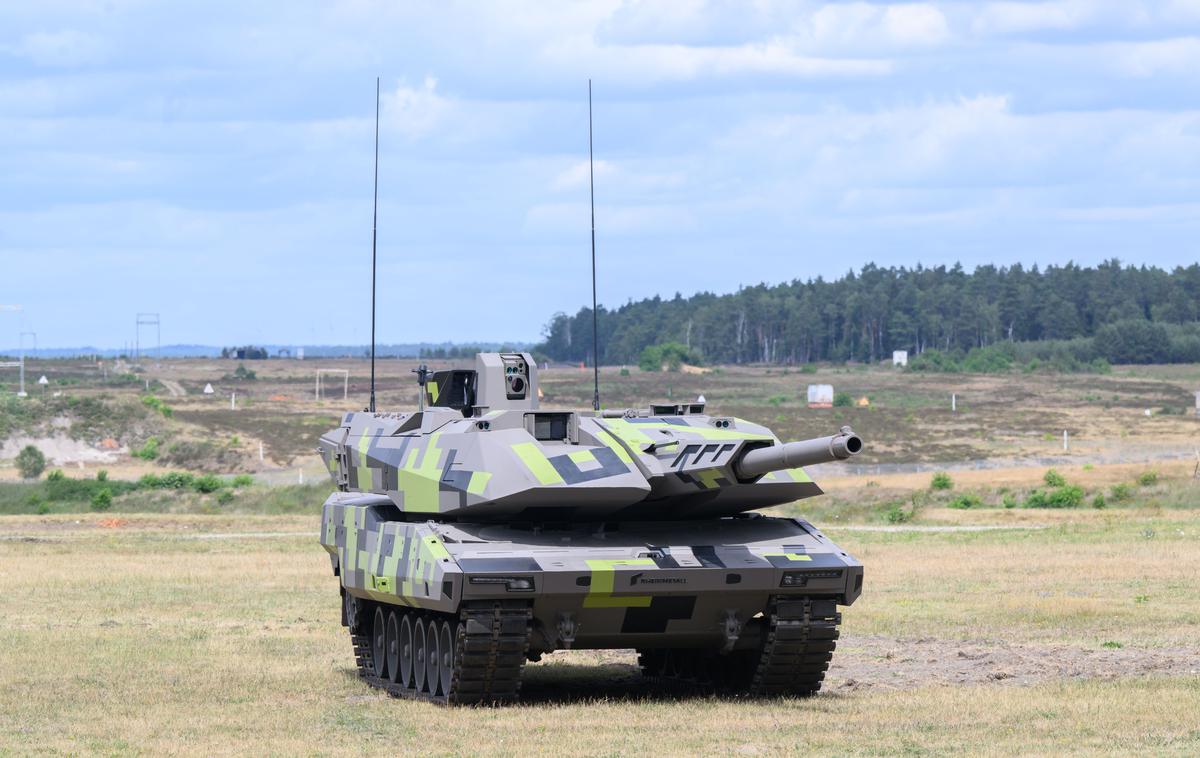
x=482, y=531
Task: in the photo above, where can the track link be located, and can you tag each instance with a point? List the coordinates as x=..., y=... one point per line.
x=490, y=640
x=798, y=643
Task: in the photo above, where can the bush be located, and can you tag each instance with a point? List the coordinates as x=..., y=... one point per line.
x=225, y=497
x=176, y=480
x=896, y=513
x=1147, y=478
x=156, y=404
x=1054, y=479
x=1120, y=492
x=244, y=374
x=102, y=475
x=149, y=482
x=207, y=483
x=31, y=462
x=1009, y=501
x=966, y=500
x=1068, y=496
x=148, y=451
x=941, y=481
x=776, y=400
x=102, y=500
x=1098, y=502
x=843, y=400
x=624, y=371
x=56, y=475
x=669, y=354
x=243, y=480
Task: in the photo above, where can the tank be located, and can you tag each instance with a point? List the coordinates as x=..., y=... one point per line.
x=482, y=531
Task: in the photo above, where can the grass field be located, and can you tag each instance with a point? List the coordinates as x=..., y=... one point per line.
x=206, y=622
x=219, y=634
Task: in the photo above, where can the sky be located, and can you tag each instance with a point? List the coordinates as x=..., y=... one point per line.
x=212, y=161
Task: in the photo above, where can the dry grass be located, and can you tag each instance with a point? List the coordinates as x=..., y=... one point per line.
x=138, y=637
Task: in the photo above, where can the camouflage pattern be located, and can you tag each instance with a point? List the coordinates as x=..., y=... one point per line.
x=620, y=586
x=666, y=462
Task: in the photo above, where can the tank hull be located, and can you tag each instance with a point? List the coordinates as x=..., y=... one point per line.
x=712, y=586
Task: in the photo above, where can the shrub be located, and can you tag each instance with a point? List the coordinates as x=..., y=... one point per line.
x=243, y=480
x=1147, y=478
x=1067, y=496
x=102, y=500
x=177, y=480
x=808, y=368
x=149, y=482
x=244, y=374
x=941, y=481
x=1098, y=502
x=225, y=497
x=843, y=400
x=777, y=400
x=965, y=500
x=102, y=475
x=148, y=451
x=207, y=483
x=1054, y=479
x=669, y=354
x=56, y=475
x=31, y=462
x=896, y=513
x=1120, y=492
x=156, y=404
x=42, y=508
x=1009, y=501
x=624, y=371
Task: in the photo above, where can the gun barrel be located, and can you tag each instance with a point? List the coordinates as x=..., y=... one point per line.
x=837, y=447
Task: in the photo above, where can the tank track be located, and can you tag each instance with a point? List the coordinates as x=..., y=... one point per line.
x=798, y=641
x=489, y=639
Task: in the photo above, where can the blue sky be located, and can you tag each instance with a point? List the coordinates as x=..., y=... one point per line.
x=212, y=161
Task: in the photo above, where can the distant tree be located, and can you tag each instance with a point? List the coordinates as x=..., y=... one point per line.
x=31, y=462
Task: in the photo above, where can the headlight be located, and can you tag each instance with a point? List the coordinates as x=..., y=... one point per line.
x=511, y=583
x=800, y=578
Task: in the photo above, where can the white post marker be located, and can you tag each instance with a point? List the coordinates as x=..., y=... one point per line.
x=953, y=403
x=260, y=451
x=43, y=381
x=233, y=401
x=301, y=473
x=1066, y=440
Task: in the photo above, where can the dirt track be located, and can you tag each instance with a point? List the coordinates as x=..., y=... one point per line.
x=889, y=663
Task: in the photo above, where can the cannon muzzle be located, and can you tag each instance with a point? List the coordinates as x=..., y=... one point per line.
x=837, y=447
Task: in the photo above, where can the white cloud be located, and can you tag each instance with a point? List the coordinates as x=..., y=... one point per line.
x=647, y=64
x=864, y=25
x=1016, y=17
x=1165, y=56
x=414, y=112
x=577, y=175
x=67, y=48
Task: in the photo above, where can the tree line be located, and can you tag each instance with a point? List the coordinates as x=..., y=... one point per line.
x=1111, y=312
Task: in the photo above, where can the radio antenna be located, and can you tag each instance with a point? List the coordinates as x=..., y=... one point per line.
x=595, y=336
x=374, y=225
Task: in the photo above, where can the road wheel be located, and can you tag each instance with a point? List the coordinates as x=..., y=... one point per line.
x=393, y=647
x=406, y=650
x=419, y=655
x=433, y=657
x=447, y=650
x=379, y=644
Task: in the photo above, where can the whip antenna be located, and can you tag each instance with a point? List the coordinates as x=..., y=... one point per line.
x=592, y=191
x=374, y=224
